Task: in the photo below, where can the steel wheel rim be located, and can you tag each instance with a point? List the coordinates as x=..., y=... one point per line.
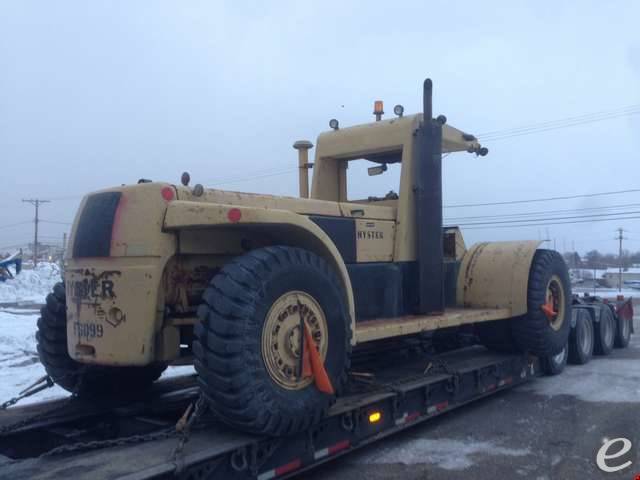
x=559, y=358
x=554, y=295
x=281, y=337
x=626, y=328
x=608, y=333
x=586, y=338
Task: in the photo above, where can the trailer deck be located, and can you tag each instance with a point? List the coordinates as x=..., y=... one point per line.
x=136, y=439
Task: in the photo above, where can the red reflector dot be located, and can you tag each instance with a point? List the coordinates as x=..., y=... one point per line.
x=167, y=193
x=234, y=215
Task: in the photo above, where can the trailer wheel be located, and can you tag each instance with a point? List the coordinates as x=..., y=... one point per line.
x=623, y=332
x=605, y=332
x=85, y=380
x=554, y=364
x=581, y=338
x=544, y=330
x=247, y=345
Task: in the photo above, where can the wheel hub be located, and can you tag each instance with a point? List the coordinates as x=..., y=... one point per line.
x=554, y=306
x=282, y=336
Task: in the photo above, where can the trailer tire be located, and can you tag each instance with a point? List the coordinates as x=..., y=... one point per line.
x=249, y=332
x=84, y=380
x=535, y=332
x=554, y=364
x=581, y=339
x=623, y=332
x=605, y=332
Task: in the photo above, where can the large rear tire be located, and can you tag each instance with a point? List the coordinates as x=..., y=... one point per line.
x=605, y=332
x=536, y=332
x=247, y=341
x=84, y=380
x=623, y=332
x=540, y=332
x=581, y=339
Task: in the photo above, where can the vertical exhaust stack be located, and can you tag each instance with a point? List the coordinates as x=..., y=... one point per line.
x=303, y=147
x=428, y=188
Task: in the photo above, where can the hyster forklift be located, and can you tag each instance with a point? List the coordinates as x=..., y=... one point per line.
x=267, y=295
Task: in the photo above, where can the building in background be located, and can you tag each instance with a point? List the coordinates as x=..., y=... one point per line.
x=611, y=277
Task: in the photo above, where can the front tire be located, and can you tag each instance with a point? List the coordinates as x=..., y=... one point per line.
x=247, y=341
x=75, y=377
x=540, y=332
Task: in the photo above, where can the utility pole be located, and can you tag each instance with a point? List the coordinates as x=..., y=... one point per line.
x=36, y=203
x=620, y=238
x=64, y=246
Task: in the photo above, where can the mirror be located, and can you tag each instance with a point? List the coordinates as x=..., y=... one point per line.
x=380, y=169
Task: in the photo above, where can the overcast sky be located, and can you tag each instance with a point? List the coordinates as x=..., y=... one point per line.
x=95, y=94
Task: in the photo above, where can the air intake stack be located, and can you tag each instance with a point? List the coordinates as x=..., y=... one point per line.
x=428, y=188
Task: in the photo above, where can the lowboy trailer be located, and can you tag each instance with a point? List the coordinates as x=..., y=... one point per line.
x=167, y=433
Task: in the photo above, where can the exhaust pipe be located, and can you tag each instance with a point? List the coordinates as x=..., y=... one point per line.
x=303, y=147
x=428, y=187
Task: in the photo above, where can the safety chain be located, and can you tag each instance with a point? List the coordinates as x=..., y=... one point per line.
x=41, y=384
x=182, y=428
x=35, y=387
x=116, y=442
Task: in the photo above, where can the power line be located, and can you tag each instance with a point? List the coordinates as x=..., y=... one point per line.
x=533, y=130
x=36, y=202
x=56, y=222
x=585, y=116
x=255, y=177
x=547, y=199
x=555, y=218
x=552, y=223
x=543, y=212
x=11, y=225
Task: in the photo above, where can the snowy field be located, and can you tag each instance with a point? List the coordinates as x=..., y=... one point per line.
x=30, y=286
x=19, y=364
x=606, y=292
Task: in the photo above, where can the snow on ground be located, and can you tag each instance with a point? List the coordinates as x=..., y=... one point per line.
x=444, y=453
x=620, y=375
x=30, y=286
x=606, y=292
x=19, y=364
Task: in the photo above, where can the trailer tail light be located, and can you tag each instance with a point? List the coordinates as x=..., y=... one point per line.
x=375, y=417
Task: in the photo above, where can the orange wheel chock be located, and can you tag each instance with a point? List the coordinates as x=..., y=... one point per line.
x=312, y=365
x=548, y=310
